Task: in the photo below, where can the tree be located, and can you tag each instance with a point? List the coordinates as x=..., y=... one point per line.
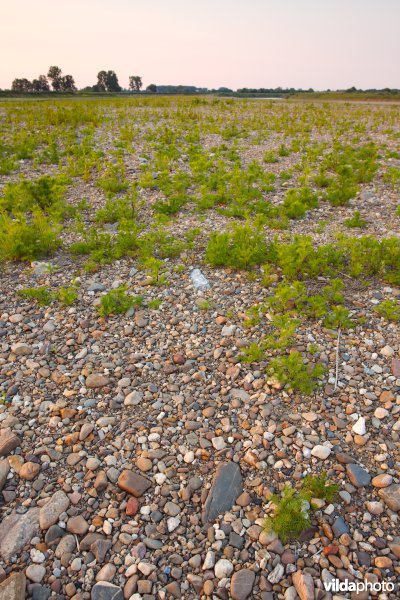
x=107, y=81
x=151, y=88
x=54, y=75
x=40, y=84
x=135, y=83
x=22, y=86
x=68, y=84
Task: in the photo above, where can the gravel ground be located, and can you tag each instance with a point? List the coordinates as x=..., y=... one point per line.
x=138, y=453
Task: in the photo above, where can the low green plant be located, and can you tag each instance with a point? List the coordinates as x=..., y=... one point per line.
x=318, y=486
x=290, y=517
x=356, y=221
x=291, y=514
x=291, y=371
x=254, y=352
x=242, y=247
x=28, y=238
x=66, y=295
x=389, y=310
x=155, y=303
x=41, y=295
x=117, y=302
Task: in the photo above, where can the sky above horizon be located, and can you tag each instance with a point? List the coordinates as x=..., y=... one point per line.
x=323, y=44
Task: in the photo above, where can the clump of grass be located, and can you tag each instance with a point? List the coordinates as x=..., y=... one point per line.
x=241, y=248
x=155, y=303
x=291, y=515
x=356, y=221
x=67, y=295
x=28, y=238
x=41, y=295
x=318, y=486
x=291, y=371
x=389, y=310
x=117, y=302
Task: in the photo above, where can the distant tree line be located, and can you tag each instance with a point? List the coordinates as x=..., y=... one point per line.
x=107, y=81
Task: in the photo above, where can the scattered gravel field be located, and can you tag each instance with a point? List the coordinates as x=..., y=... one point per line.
x=199, y=310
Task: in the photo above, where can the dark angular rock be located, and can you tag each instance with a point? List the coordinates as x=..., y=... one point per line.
x=227, y=486
x=339, y=527
x=133, y=483
x=358, y=476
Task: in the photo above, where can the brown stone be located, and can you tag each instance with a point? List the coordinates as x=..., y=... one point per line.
x=29, y=471
x=8, y=441
x=304, y=584
x=132, y=506
x=133, y=483
x=96, y=380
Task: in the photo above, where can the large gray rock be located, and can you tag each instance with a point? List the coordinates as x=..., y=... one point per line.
x=16, y=531
x=226, y=487
x=13, y=588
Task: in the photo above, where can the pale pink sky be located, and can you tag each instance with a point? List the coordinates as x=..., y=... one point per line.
x=211, y=43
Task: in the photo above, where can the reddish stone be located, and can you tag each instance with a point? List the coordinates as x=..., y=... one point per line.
x=178, y=359
x=396, y=367
x=132, y=506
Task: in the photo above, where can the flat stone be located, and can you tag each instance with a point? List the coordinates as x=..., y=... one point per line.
x=104, y=590
x=304, y=584
x=8, y=441
x=16, y=531
x=77, y=525
x=391, y=496
x=96, y=380
x=358, y=476
x=14, y=587
x=21, y=349
x=382, y=481
x=133, y=483
x=226, y=487
x=321, y=452
x=50, y=512
x=339, y=527
x=242, y=583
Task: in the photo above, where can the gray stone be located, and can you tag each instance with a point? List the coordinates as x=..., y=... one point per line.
x=105, y=590
x=4, y=469
x=13, y=588
x=358, y=476
x=242, y=584
x=391, y=496
x=50, y=512
x=16, y=531
x=226, y=487
x=339, y=527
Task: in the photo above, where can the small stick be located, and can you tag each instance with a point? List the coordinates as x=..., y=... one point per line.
x=337, y=360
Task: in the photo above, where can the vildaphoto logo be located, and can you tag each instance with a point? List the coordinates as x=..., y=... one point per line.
x=336, y=585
